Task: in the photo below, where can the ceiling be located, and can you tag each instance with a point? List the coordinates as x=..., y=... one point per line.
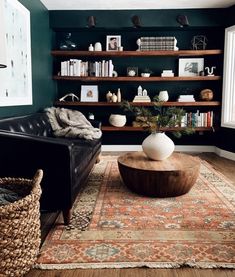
x=134, y=4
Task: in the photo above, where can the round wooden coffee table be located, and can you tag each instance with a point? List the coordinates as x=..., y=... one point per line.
x=173, y=176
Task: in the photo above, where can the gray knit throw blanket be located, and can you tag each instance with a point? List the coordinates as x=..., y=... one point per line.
x=72, y=124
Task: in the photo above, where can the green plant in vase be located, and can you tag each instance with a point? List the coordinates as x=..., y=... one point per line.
x=158, y=119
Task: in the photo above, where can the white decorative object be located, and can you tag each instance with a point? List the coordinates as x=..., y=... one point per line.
x=98, y=46
x=139, y=91
x=73, y=97
x=163, y=96
x=158, y=146
x=119, y=95
x=145, y=74
x=145, y=92
x=210, y=71
x=117, y=120
x=91, y=48
x=109, y=96
x=114, y=98
x=138, y=42
x=114, y=74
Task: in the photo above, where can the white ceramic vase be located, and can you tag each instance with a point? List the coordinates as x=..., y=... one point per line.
x=158, y=146
x=117, y=120
x=163, y=96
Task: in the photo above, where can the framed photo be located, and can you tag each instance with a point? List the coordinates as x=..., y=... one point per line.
x=113, y=43
x=191, y=67
x=89, y=93
x=132, y=71
x=16, y=78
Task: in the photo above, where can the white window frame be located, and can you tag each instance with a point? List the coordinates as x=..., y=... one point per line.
x=228, y=97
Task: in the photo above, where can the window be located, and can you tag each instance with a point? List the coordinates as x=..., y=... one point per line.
x=228, y=99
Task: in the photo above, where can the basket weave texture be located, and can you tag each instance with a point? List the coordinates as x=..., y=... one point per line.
x=20, y=235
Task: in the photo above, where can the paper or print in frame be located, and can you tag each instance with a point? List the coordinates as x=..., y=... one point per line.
x=191, y=67
x=89, y=93
x=16, y=78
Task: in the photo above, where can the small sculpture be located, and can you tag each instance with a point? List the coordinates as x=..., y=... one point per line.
x=206, y=94
x=199, y=42
x=73, y=96
x=210, y=71
x=67, y=44
x=138, y=42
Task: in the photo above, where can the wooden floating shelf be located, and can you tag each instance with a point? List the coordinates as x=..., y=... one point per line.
x=137, y=129
x=61, y=53
x=167, y=104
x=136, y=79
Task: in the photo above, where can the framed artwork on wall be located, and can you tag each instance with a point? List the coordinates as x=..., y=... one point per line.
x=113, y=43
x=191, y=67
x=89, y=93
x=16, y=78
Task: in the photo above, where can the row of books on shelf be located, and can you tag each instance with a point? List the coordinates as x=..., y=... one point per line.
x=158, y=43
x=79, y=68
x=198, y=119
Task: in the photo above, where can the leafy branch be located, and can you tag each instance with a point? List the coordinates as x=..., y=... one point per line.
x=158, y=117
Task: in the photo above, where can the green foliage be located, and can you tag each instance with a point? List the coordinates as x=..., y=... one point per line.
x=158, y=117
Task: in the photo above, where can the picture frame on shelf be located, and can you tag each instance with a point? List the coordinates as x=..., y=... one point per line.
x=132, y=71
x=89, y=93
x=190, y=66
x=113, y=43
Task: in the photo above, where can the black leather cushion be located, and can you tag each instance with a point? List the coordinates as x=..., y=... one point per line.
x=36, y=124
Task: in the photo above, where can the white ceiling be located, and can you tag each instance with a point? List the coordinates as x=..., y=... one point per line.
x=134, y=4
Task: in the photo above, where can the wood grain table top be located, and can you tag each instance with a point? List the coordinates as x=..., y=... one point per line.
x=176, y=162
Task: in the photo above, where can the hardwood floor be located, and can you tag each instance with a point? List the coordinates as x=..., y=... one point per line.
x=227, y=167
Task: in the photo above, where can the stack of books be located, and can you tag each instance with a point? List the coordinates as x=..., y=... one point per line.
x=158, y=43
x=167, y=73
x=186, y=98
x=141, y=98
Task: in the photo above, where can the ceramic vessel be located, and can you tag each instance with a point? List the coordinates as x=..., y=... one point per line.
x=98, y=46
x=163, y=96
x=145, y=74
x=109, y=96
x=114, y=98
x=206, y=94
x=158, y=146
x=119, y=95
x=117, y=120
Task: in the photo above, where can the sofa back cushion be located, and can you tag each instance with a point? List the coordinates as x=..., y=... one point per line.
x=34, y=124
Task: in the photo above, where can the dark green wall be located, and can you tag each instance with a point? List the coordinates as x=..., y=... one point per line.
x=149, y=18
x=209, y=22
x=43, y=86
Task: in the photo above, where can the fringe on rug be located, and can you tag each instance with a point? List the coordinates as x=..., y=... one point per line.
x=132, y=265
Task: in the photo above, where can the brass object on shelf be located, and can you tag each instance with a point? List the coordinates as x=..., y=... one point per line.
x=206, y=94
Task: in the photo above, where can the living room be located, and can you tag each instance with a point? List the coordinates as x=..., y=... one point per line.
x=67, y=32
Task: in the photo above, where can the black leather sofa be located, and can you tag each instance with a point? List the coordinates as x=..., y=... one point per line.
x=27, y=144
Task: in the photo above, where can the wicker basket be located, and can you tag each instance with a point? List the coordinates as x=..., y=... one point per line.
x=20, y=235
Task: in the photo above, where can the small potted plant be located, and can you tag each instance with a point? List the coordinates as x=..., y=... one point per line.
x=157, y=120
x=146, y=72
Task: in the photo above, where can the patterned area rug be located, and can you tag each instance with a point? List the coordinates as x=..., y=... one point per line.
x=114, y=228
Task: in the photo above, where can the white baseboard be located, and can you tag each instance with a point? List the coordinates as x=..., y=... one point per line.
x=183, y=148
x=225, y=154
